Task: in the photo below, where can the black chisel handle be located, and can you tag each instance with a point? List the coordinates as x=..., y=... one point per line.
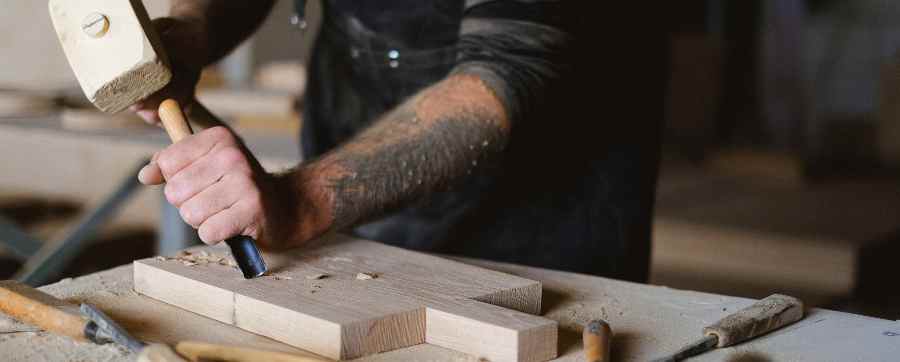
x=247, y=256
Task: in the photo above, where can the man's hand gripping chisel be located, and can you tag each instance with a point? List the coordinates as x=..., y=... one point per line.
x=117, y=56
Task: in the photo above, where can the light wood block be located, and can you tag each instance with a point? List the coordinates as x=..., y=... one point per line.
x=414, y=298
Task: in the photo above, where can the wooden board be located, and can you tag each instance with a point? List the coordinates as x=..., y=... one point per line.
x=413, y=298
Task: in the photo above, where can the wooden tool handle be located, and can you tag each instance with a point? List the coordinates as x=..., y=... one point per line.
x=196, y=351
x=596, y=337
x=173, y=120
x=764, y=316
x=42, y=310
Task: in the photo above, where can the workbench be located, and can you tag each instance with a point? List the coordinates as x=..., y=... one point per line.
x=648, y=321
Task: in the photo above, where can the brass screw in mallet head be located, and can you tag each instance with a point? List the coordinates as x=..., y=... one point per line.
x=95, y=25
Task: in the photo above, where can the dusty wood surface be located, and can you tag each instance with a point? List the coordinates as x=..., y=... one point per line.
x=355, y=297
x=648, y=321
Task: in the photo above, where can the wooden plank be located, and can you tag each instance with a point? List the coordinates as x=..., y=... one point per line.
x=412, y=298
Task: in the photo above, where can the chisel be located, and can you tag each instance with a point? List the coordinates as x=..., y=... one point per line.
x=764, y=316
x=243, y=248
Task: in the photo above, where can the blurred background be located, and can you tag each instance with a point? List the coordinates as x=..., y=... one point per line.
x=779, y=173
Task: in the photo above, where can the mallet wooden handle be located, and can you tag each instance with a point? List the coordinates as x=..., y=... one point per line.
x=173, y=120
x=596, y=337
x=34, y=307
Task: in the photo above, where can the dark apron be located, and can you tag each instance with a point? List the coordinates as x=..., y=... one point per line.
x=355, y=77
x=542, y=207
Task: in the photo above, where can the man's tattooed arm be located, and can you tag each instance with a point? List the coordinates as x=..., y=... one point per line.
x=432, y=140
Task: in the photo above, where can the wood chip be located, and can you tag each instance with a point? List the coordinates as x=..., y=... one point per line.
x=188, y=263
x=317, y=276
x=366, y=276
x=282, y=277
x=161, y=258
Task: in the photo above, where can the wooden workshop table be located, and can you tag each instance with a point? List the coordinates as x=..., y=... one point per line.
x=648, y=321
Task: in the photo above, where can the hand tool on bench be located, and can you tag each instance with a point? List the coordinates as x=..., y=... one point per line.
x=764, y=316
x=117, y=56
x=34, y=307
x=88, y=324
x=597, y=336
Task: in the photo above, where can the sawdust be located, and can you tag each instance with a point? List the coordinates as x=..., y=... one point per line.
x=274, y=276
x=188, y=258
x=43, y=346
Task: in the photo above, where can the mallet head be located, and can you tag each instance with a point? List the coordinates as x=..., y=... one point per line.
x=112, y=49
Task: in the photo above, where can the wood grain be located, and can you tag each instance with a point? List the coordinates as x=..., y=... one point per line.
x=413, y=298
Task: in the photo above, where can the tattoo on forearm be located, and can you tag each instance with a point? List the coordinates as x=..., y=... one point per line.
x=425, y=145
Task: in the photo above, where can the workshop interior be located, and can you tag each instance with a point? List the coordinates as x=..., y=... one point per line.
x=773, y=215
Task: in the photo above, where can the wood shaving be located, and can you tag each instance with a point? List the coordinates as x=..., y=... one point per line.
x=317, y=276
x=161, y=258
x=366, y=276
x=282, y=277
x=188, y=263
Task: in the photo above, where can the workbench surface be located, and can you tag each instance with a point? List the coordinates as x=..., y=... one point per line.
x=648, y=322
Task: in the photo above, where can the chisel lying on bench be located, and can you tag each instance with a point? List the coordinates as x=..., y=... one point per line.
x=764, y=316
x=87, y=323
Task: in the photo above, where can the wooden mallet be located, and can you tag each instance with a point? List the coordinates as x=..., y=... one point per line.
x=118, y=58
